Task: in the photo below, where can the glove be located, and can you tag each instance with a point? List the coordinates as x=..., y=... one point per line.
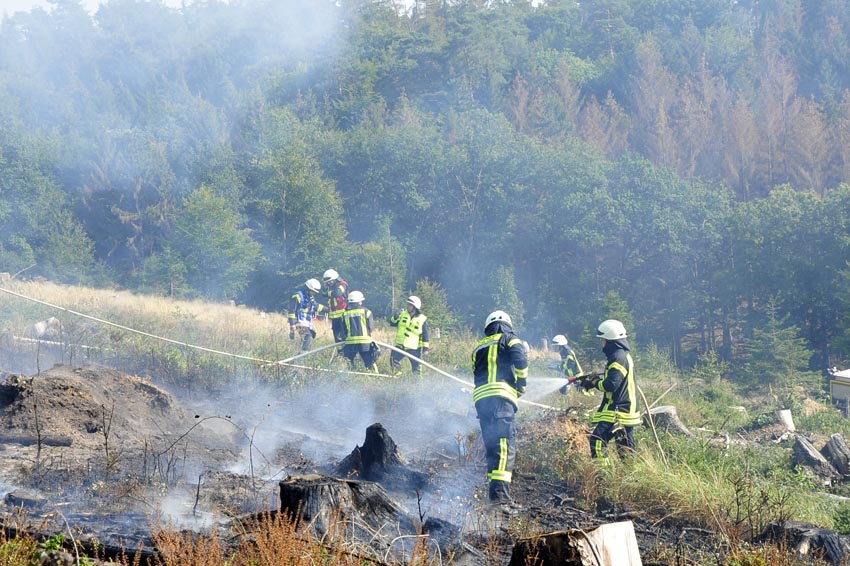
x=520, y=391
x=563, y=389
x=312, y=333
x=292, y=333
x=425, y=350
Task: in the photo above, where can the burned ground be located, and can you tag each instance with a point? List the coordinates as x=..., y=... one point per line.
x=134, y=456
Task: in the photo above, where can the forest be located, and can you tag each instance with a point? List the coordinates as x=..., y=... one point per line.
x=682, y=165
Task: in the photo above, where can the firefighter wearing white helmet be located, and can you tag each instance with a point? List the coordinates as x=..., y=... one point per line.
x=500, y=369
x=619, y=403
x=357, y=321
x=336, y=292
x=412, y=335
x=569, y=362
x=303, y=309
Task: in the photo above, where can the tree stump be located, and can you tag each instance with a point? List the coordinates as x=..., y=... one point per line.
x=806, y=455
x=838, y=454
x=380, y=460
x=359, y=510
x=809, y=540
x=666, y=418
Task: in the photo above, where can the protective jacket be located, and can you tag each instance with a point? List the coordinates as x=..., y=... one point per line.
x=619, y=403
x=337, y=296
x=358, y=325
x=412, y=330
x=303, y=308
x=569, y=362
x=499, y=365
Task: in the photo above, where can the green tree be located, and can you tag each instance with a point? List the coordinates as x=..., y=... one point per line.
x=217, y=252
x=776, y=354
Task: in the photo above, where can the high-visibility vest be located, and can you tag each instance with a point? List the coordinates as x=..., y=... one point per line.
x=409, y=335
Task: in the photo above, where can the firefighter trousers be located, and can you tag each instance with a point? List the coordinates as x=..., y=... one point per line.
x=603, y=433
x=498, y=431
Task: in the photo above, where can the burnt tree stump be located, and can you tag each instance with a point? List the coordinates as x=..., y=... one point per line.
x=838, y=453
x=379, y=460
x=359, y=510
x=321, y=502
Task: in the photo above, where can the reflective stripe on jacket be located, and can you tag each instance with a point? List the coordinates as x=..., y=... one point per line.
x=303, y=308
x=500, y=367
x=411, y=331
x=619, y=403
x=358, y=325
x=337, y=298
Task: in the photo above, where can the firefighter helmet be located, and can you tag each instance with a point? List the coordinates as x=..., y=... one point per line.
x=560, y=340
x=498, y=316
x=415, y=301
x=356, y=297
x=330, y=275
x=313, y=285
x=611, y=330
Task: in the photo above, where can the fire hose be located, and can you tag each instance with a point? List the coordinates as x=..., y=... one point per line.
x=285, y=362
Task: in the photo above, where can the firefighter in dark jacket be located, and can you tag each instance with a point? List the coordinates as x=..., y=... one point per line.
x=336, y=292
x=500, y=368
x=412, y=335
x=569, y=362
x=303, y=308
x=619, y=404
x=358, y=332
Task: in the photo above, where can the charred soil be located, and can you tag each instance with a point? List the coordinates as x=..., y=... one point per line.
x=117, y=457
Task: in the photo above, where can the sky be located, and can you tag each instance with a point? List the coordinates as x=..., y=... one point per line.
x=11, y=6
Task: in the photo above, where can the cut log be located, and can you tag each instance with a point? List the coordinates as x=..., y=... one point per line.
x=360, y=510
x=380, y=460
x=666, y=418
x=808, y=540
x=838, y=454
x=806, y=455
x=614, y=544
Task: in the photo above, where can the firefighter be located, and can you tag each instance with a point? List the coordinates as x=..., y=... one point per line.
x=619, y=403
x=358, y=333
x=303, y=308
x=412, y=335
x=500, y=368
x=569, y=362
x=336, y=291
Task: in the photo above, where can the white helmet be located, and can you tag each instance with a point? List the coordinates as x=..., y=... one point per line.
x=330, y=275
x=356, y=297
x=611, y=330
x=560, y=340
x=498, y=316
x=415, y=301
x=313, y=285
